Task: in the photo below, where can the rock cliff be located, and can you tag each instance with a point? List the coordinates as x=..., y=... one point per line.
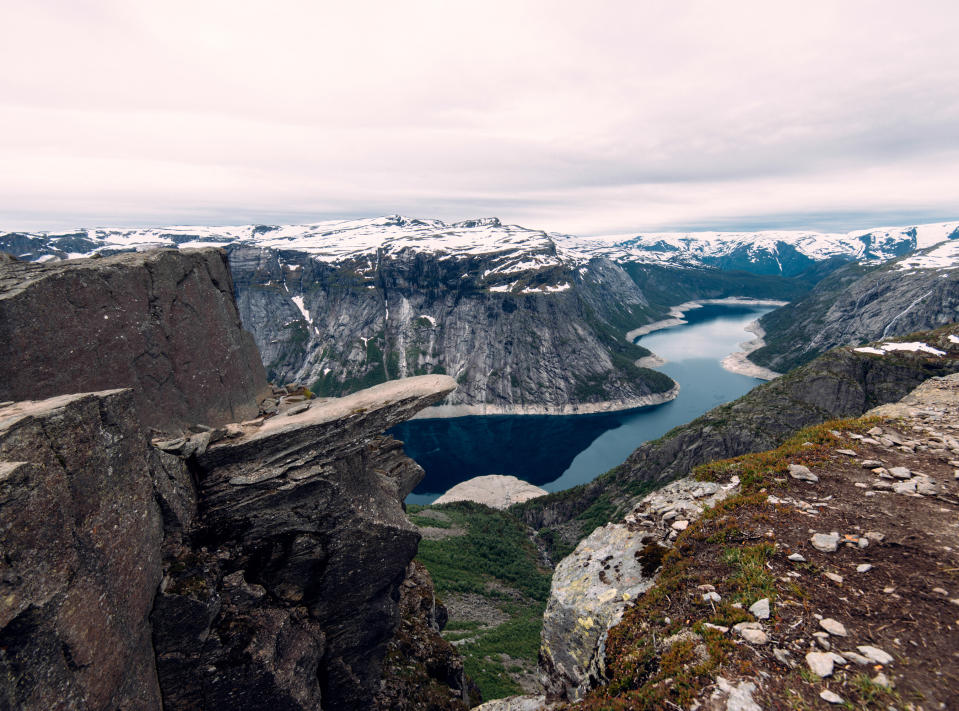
x=163, y=323
x=262, y=563
x=80, y=531
x=532, y=339
x=285, y=595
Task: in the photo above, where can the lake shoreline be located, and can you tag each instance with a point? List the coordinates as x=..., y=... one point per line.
x=441, y=412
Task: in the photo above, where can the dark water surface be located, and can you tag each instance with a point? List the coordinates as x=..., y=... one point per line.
x=559, y=451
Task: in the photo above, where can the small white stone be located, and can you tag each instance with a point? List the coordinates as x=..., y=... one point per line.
x=797, y=558
x=834, y=577
x=826, y=542
x=680, y=525
x=718, y=628
x=830, y=696
x=760, y=609
x=802, y=473
x=875, y=654
x=901, y=472
x=863, y=567
x=882, y=680
x=712, y=597
x=833, y=627
x=820, y=663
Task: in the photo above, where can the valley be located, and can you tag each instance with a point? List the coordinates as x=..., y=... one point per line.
x=511, y=345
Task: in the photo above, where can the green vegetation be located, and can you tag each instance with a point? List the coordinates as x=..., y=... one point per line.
x=496, y=559
x=496, y=547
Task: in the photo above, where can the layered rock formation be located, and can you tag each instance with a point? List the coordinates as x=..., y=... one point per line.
x=163, y=323
x=263, y=563
x=287, y=597
x=80, y=532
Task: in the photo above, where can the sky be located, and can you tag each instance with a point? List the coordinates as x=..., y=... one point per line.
x=586, y=118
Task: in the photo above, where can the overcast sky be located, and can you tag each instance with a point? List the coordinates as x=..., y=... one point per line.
x=582, y=117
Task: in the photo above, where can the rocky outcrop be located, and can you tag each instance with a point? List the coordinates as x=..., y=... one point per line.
x=608, y=570
x=163, y=323
x=856, y=305
x=533, y=339
x=494, y=490
x=80, y=531
x=840, y=383
x=287, y=595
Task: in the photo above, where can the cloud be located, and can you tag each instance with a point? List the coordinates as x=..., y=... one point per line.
x=587, y=118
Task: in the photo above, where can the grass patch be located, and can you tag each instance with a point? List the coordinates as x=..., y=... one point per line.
x=495, y=547
x=750, y=576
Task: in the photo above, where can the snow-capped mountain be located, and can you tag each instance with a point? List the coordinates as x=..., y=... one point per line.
x=785, y=252
x=513, y=248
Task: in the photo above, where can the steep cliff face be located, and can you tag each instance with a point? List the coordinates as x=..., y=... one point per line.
x=535, y=337
x=860, y=304
x=840, y=383
x=80, y=531
x=285, y=595
x=163, y=323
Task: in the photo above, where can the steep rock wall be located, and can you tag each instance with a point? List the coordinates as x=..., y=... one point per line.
x=285, y=593
x=164, y=323
x=543, y=339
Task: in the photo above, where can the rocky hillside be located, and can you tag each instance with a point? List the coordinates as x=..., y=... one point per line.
x=859, y=304
x=820, y=573
x=163, y=323
x=841, y=383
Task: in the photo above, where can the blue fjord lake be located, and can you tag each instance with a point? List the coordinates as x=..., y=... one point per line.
x=557, y=452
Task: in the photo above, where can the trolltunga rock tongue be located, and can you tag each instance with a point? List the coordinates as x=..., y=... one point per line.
x=307, y=540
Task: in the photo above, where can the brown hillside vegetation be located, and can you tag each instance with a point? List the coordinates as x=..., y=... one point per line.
x=877, y=617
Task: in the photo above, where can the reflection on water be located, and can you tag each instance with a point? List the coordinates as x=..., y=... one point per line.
x=557, y=452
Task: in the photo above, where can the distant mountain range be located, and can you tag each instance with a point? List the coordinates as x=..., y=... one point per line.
x=783, y=252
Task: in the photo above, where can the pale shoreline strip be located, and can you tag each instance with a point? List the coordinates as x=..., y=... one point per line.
x=589, y=408
x=739, y=362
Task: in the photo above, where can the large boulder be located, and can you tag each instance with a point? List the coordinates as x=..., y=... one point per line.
x=164, y=323
x=80, y=533
x=608, y=570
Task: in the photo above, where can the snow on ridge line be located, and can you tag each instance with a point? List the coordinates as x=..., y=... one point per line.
x=516, y=247
x=944, y=256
